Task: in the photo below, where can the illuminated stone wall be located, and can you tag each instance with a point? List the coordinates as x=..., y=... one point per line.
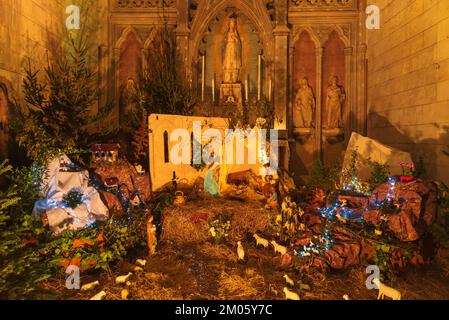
x=408, y=80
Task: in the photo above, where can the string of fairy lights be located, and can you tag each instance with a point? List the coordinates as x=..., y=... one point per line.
x=339, y=208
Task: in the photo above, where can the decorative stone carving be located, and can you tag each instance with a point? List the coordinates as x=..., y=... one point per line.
x=319, y=4
x=144, y=3
x=304, y=108
x=334, y=103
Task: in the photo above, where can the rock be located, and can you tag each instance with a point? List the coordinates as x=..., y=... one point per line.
x=418, y=210
x=311, y=219
x=372, y=216
x=286, y=260
x=405, y=225
x=343, y=255
x=320, y=263
x=126, y=175
x=142, y=184
x=375, y=151
x=112, y=202
x=304, y=240
x=354, y=201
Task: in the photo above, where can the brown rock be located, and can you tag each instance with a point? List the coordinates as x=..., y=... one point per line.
x=405, y=225
x=112, y=202
x=343, y=255
x=320, y=263
x=142, y=184
x=372, y=216
x=311, y=219
x=286, y=260
x=354, y=202
x=303, y=241
x=418, y=209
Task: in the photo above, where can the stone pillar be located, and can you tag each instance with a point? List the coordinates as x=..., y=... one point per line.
x=318, y=154
x=362, y=107
x=116, y=95
x=102, y=76
x=183, y=32
x=281, y=35
x=348, y=110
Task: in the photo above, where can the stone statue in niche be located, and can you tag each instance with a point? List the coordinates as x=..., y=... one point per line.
x=304, y=107
x=334, y=103
x=129, y=96
x=232, y=53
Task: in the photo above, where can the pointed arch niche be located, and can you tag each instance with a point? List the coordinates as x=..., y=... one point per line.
x=304, y=61
x=130, y=62
x=334, y=64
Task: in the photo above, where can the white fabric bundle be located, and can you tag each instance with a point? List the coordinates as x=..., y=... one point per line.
x=55, y=185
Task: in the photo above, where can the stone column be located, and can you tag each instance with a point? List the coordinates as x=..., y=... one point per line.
x=116, y=95
x=347, y=115
x=281, y=35
x=183, y=32
x=362, y=108
x=318, y=154
x=102, y=75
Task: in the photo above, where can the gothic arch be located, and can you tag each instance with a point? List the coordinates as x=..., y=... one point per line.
x=124, y=37
x=341, y=33
x=312, y=35
x=255, y=12
x=149, y=39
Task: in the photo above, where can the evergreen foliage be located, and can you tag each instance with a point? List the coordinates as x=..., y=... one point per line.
x=164, y=87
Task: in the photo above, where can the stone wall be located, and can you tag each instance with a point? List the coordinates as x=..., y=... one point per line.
x=28, y=28
x=32, y=30
x=408, y=80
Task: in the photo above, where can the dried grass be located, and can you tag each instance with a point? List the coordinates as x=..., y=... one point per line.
x=189, y=223
x=236, y=287
x=218, y=251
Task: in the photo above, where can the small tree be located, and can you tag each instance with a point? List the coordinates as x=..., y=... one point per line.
x=58, y=104
x=164, y=87
x=140, y=144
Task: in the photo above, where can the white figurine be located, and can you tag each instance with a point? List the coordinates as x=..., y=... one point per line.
x=240, y=251
x=260, y=240
x=289, y=280
x=385, y=290
x=289, y=295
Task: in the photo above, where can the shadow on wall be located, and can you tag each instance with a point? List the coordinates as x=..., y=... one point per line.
x=427, y=150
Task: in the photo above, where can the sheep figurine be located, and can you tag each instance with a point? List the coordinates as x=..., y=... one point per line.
x=240, y=251
x=260, y=240
x=99, y=296
x=289, y=280
x=290, y=295
x=90, y=286
x=385, y=290
x=346, y=297
x=141, y=262
x=122, y=279
x=278, y=248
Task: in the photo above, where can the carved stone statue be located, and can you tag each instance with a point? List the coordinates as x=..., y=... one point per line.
x=334, y=103
x=129, y=98
x=304, y=107
x=232, y=53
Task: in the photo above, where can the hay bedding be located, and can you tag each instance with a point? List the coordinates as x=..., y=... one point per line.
x=189, y=223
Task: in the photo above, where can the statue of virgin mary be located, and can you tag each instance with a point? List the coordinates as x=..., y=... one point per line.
x=232, y=53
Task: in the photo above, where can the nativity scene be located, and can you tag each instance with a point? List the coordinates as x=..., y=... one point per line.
x=223, y=150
